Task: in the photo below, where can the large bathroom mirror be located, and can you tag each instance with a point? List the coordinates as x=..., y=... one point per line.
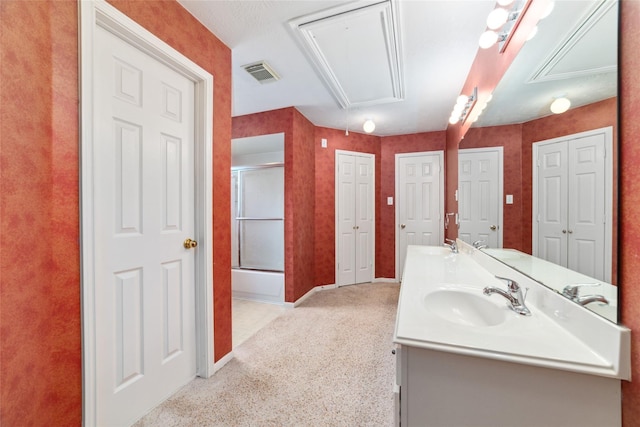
x=573, y=55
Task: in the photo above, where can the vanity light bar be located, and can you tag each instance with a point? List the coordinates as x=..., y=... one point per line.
x=463, y=106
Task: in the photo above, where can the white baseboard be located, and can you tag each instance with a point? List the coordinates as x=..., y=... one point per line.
x=385, y=280
x=307, y=295
x=220, y=363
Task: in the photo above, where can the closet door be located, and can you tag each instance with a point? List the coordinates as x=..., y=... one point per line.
x=572, y=203
x=586, y=211
x=551, y=195
x=354, y=218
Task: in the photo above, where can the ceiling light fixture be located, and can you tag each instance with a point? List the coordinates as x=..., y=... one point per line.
x=560, y=105
x=501, y=22
x=463, y=105
x=369, y=126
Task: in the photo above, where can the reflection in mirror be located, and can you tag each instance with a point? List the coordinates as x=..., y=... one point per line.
x=573, y=55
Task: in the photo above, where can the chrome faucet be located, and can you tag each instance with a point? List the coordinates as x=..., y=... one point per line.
x=573, y=293
x=479, y=244
x=513, y=295
x=451, y=244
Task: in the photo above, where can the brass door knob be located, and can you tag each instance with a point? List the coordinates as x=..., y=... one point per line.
x=190, y=244
x=493, y=228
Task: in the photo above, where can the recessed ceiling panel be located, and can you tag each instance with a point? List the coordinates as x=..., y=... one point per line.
x=585, y=51
x=356, y=50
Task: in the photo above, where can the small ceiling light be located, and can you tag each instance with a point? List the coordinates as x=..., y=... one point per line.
x=533, y=33
x=488, y=39
x=505, y=2
x=497, y=18
x=462, y=100
x=560, y=105
x=454, y=119
x=369, y=126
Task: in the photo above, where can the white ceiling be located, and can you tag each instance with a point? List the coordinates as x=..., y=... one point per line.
x=438, y=42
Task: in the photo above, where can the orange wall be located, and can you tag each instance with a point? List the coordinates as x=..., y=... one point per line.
x=629, y=175
x=40, y=337
x=299, y=190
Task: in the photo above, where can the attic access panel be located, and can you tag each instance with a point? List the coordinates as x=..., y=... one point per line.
x=356, y=51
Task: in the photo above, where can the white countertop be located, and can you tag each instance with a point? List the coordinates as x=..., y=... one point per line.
x=538, y=339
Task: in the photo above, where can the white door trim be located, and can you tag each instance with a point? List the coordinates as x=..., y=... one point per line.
x=100, y=13
x=337, y=212
x=608, y=186
x=500, y=151
x=398, y=156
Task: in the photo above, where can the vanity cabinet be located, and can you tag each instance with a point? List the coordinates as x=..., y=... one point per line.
x=464, y=358
x=436, y=388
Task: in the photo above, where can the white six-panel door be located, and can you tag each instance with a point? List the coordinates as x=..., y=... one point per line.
x=355, y=225
x=480, y=195
x=419, y=202
x=144, y=210
x=572, y=202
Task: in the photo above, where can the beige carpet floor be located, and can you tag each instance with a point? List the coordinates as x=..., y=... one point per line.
x=327, y=362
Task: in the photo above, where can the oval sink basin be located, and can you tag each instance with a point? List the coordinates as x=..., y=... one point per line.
x=464, y=308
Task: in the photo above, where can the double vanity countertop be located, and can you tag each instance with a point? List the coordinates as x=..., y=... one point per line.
x=442, y=307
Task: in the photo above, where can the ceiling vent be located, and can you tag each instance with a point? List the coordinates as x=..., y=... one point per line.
x=261, y=72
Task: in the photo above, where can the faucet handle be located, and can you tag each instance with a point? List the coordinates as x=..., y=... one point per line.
x=572, y=291
x=511, y=284
x=478, y=243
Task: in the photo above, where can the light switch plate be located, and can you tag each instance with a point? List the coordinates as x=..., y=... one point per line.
x=509, y=199
x=323, y=141
x=390, y=201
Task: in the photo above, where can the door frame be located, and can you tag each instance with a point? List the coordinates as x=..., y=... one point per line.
x=440, y=154
x=501, y=197
x=100, y=13
x=337, y=212
x=608, y=189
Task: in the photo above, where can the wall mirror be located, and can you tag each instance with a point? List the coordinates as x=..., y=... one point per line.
x=573, y=55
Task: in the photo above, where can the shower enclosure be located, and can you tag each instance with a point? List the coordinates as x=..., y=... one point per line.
x=257, y=231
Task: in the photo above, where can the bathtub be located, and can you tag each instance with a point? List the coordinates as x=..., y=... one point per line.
x=255, y=285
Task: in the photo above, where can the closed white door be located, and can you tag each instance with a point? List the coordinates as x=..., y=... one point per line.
x=552, y=193
x=354, y=218
x=480, y=195
x=419, y=202
x=570, y=204
x=144, y=211
x=586, y=212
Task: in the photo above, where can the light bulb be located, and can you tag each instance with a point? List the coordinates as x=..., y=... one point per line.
x=560, y=105
x=457, y=109
x=462, y=100
x=369, y=126
x=488, y=39
x=497, y=18
x=453, y=119
x=505, y=2
x=533, y=33
x=548, y=10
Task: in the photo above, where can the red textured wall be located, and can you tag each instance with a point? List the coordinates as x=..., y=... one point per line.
x=325, y=202
x=509, y=137
x=629, y=248
x=40, y=373
x=299, y=190
x=386, y=237
x=40, y=349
